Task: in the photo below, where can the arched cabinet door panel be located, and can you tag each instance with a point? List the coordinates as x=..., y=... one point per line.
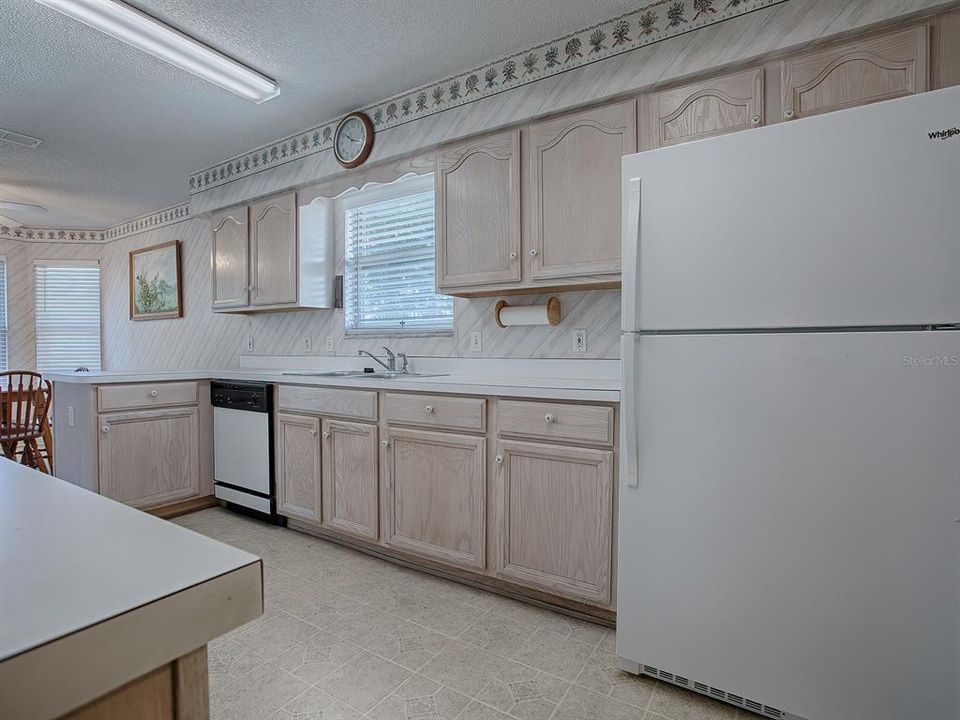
x=703, y=109
x=273, y=250
x=478, y=212
x=231, y=258
x=575, y=191
x=856, y=73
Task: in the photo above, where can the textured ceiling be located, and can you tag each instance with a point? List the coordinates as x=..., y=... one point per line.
x=122, y=130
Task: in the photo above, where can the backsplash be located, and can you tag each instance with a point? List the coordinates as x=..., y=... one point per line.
x=202, y=338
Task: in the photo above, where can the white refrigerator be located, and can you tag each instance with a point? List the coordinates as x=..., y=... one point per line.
x=790, y=452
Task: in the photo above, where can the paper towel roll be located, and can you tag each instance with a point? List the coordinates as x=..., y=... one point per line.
x=508, y=316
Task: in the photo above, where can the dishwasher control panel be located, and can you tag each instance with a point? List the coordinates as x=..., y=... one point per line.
x=250, y=396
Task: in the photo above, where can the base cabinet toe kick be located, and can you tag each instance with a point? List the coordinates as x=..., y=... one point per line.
x=516, y=496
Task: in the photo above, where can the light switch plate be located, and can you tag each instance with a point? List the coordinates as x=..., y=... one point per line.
x=476, y=341
x=71, y=416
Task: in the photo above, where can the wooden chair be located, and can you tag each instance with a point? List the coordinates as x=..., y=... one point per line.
x=25, y=399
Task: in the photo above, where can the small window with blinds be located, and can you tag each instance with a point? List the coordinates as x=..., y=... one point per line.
x=68, y=316
x=389, y=269
x=4, y=362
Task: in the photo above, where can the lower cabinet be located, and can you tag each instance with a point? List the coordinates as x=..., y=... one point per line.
x=150, y=457
x=436, y=495
x=298, y=466
x=350, y=487
x=555, y=518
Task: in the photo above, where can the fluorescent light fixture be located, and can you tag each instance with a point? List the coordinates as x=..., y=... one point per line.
x=11, y=205
x=144, y=32
x=15, y=138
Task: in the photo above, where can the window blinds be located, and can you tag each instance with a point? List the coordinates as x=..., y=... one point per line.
x=389, y=279
x=68, y=316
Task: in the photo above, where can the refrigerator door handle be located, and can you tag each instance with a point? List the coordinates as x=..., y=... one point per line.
x=630, y=445
x=630, y=249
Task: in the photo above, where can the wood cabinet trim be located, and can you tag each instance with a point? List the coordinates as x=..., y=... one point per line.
x=600, y=587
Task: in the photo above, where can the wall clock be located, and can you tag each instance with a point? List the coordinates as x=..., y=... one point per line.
x=353, y=140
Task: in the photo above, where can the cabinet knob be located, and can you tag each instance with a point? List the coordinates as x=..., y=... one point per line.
x=429, y=409
x=788, y=114
x=533, y=252
x=548, y=418
x=499, y=459
x=105, y=429
x=755, y=119
x=513, y=256
x=250, y=288
x=385, y=443
x=313, y=431
x=153, y=393
x=326, y=435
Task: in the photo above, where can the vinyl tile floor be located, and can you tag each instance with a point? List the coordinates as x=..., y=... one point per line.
x=347, y=636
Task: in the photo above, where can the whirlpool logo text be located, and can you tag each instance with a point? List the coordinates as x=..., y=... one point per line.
x=943, y=134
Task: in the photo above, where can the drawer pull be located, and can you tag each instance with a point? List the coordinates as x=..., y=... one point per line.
x=513, y=256
x=105, y=429
x=385, y=443
x=533, y=252
x=499, y=459
x=548, y=418
x=326, y=435
x=429, y=409
x=153, y=393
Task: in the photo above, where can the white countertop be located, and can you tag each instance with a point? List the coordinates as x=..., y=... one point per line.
x=70, y=559
x=531, y=379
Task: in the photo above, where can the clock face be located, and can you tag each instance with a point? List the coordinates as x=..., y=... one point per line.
x=353, y=140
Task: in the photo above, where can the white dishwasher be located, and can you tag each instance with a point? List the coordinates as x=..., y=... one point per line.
x=243, y=447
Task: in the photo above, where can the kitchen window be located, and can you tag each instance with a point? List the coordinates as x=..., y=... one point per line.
x=67, y=315
x=4, y=362
x=389, y=268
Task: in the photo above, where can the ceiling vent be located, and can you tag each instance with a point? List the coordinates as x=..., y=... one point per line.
x=19, y=139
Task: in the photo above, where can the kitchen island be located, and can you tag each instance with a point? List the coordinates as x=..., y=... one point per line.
x=106, y=611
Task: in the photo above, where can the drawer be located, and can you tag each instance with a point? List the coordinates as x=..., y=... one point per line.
x=359, y=404
x=146, y=395
x=439, y=411
x=588, y=424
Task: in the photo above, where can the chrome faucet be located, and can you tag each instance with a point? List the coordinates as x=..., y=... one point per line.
x=392, y=360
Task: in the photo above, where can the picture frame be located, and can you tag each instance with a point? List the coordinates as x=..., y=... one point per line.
x=156, y=289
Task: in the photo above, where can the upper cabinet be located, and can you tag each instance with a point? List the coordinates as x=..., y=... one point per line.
x=274, y=254
x=702, y=109
x=230, y=258
x=478, y=212
x=575, y=191
x=273, y=250
x=855, y=73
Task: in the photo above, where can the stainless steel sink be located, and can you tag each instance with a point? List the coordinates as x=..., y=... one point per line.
x=378, y=375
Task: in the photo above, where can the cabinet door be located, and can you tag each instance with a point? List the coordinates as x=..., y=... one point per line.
x=151, y=457
x=273, y=250
x=231, y=254
x=575, y=191
x=298, y=466
x=350, y=487
x=855, y=73
x=478, y=211
x=436, y=496
x=702, y=109
x=555, y=518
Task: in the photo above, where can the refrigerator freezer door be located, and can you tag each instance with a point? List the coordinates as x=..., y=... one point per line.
x=793, y=539
x=843, y=219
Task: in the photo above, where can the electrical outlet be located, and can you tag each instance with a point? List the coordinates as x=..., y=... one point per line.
x=71, y=416
x=250, y=343
x=579, y=340
x=329, y=344
x=307, y=343
x=476, y=341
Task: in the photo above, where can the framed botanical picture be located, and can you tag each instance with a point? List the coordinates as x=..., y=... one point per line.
x=155, y=290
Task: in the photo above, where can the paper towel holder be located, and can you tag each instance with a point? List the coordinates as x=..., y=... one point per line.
x=551, y=312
